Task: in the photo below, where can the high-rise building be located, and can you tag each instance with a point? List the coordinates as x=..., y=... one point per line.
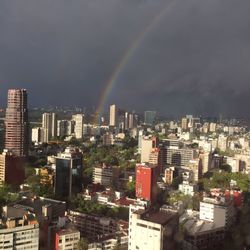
x=37, y=135
x=11, y=169
x=78, y=118
x=112, y=115
x=68, y=174
x=131, y=121
x=126, y=121
x=146, y=182
x=149, y=117
x=206, y=158
x=184, y=123
x=49, y=124
x=16, y=122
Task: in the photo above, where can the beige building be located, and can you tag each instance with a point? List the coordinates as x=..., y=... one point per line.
x=49, y=125
x=19, y=231
x=147, y=144
x=112, y=115
x=67, y=239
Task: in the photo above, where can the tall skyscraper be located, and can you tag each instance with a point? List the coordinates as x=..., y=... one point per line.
x=16, y=122
x=49, y=126
x=112, y=115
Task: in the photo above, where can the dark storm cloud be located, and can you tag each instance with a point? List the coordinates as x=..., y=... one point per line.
x=196, y=59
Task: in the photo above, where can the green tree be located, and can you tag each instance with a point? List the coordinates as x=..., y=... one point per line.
x=130, y=189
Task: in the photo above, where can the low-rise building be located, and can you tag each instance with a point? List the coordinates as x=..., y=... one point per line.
x=19, y=230
x=105, y=175
x=188, y=188
x=205, y=235
x=218, y=210
x=67, y=239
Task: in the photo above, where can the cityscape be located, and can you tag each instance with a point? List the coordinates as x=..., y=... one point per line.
x=122, y=180
x=124, y=125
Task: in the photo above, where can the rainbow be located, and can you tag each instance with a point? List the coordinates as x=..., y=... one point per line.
x=126, y=57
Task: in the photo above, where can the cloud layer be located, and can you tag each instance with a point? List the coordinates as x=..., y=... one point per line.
x=196, y=59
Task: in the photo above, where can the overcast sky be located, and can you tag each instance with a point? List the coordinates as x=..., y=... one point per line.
x=194, y=59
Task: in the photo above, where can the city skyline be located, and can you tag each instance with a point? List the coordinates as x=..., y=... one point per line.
x=182, y=58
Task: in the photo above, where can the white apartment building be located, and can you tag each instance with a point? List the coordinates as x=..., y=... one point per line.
x=216, y=210
x=112, y=115
x=188, y=188
x=78, y=118
x=20, y=233
x=152, y=230
x=49, y=124
x=37, y=135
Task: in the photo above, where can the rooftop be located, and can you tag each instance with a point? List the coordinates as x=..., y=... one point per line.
x=194, y=226
x=158, y=217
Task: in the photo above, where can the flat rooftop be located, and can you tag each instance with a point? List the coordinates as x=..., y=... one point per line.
x=194, y=226
x=158, y=217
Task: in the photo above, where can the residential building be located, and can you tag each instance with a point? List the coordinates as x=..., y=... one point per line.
x=113, y=115
x=153, y=230
x=148, y=143
x=19, y=230
x=218, y=210
x=37, y=135
x=179, y=156
x=106, y=175
x=78, y=118
x=93, y=226
x=66, y=239
x=49, y=124
x=206, y=158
